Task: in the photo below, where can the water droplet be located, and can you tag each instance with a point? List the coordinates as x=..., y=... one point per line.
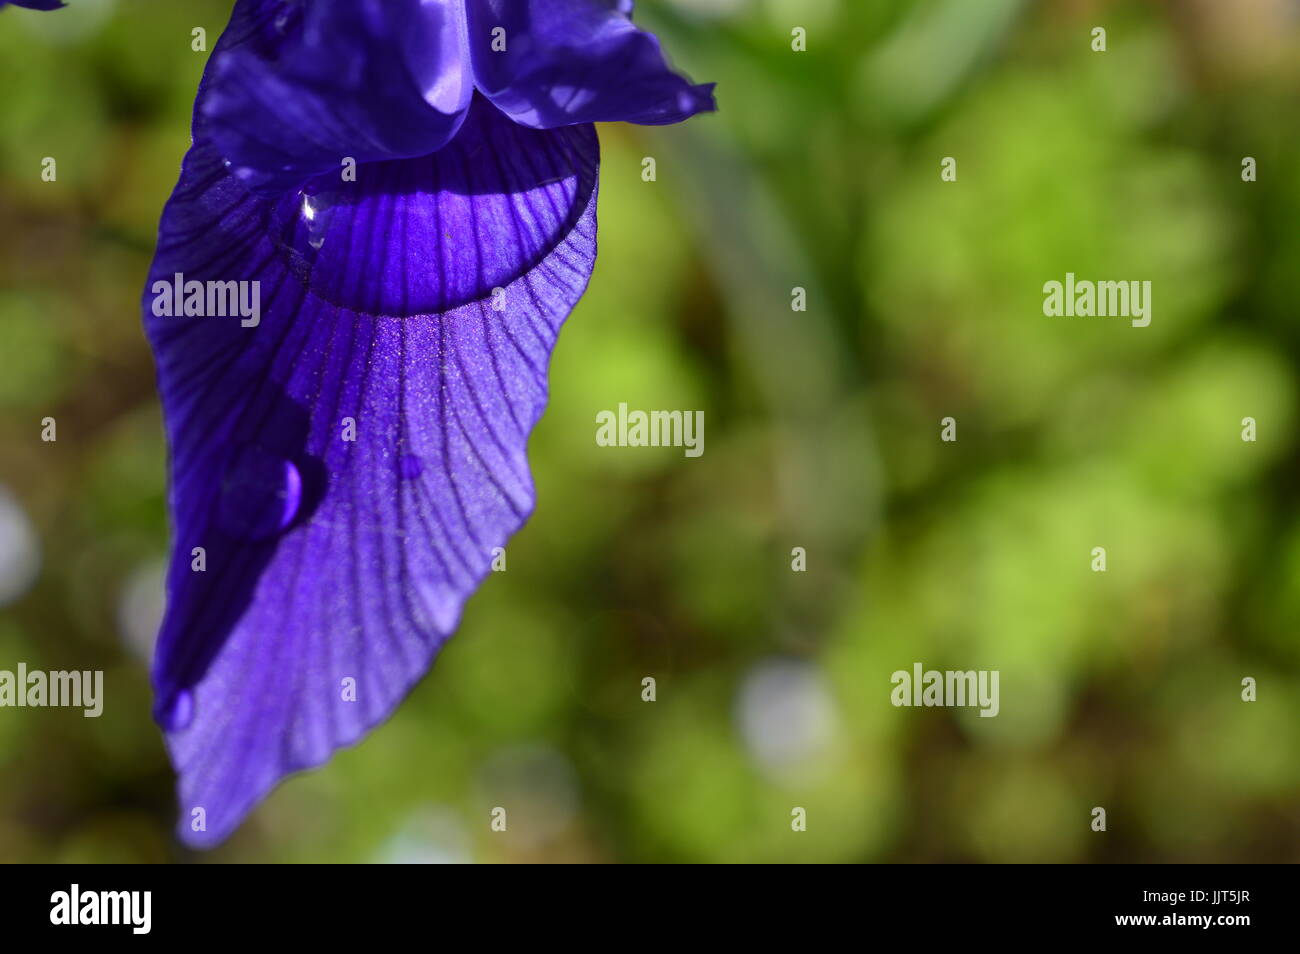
x=410, y=466
x=301, y=221
x=176, y=712
x=288, y=16
x=326, y=224
x=314, y=219
x=260, y=494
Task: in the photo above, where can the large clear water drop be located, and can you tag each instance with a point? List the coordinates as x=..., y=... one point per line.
x=260, y=494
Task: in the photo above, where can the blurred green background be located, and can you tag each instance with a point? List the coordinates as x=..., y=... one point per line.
x=1119, y=689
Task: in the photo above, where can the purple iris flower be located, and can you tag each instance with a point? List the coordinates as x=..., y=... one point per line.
x=387, y=212
x=33, y=4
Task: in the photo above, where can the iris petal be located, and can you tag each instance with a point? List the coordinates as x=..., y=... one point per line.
x=421, y=326
x=33, y=4
x=293, y=89
x=548, y=63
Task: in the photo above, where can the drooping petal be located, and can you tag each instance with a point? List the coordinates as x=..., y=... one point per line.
x=33, y=4
x=294, y=89
x=348, y=464
x=549, y=63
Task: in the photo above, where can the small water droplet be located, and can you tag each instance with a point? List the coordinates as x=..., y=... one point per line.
x=303, y=219
x=176, y=712
x=410, y=466
x=289, y=14
x=260, y=494
x=314, y=223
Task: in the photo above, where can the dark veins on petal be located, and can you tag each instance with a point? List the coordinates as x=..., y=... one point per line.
x=466, y=200
x=341, y=472
x=329, y=559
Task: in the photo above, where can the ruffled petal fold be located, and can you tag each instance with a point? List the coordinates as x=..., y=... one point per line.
x=548, y=63
x=342, y=468
x=297, y=89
